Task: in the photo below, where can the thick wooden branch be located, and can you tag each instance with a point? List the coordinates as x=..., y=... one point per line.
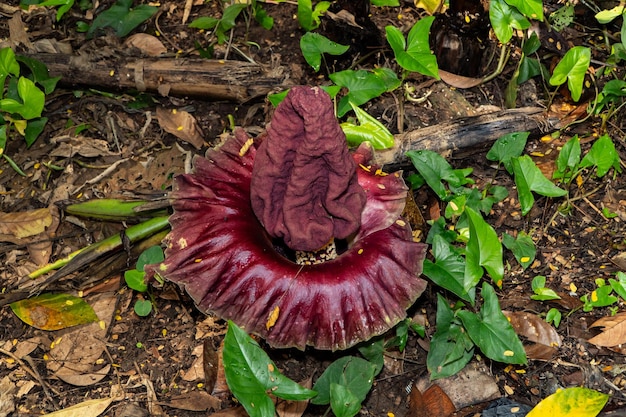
x=210, y=79
x=468, y=132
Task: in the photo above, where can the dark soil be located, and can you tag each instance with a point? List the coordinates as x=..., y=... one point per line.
x=152, y=358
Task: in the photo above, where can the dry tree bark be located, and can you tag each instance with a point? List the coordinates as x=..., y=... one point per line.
x=211, y=79
x=468, y=132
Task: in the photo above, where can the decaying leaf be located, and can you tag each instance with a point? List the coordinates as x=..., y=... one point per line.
x=148, y=44
x=614, y=333
x=54, y=311
x=536, y=330
x=181, y=124
x=67, y=146
x=434, y=402
x=459, y=81
x=571, y=402
x=25, y=223
x=194, y=401
x=91, y=408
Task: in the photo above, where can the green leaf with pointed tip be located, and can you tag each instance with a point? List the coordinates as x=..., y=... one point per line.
x=572, y=68
x=123, y=18
x=603, y=156
x=529, y=8
x=413, y=53
x=251, y=375
x=508, y=147
x=354, y=373
x=448, y=270
x=529, y=178
x=491, y=331
x=568, y=159
x=54, y=311
x=32, y=97
x=522, y=246
x=369, y=130
x=362, y=86
x=504, y=19
x=343, y=402
x=313, y=45
x=484, y=250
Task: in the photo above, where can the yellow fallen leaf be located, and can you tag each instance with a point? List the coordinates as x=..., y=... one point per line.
x=90, y=408
x=23, y=224
x=571, y=402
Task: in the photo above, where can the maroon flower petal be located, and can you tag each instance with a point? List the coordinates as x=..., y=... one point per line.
x=222, y=256
x=304, y=184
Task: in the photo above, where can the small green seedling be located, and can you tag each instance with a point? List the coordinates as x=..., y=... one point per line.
x=135, y=278
x=541, y=292
x=314, y=46
x=413, y=53
x=122, y=18
x=368, y=130
x=309, y=17
x=600, y=297
x=572, y=68
x=553, y=316
x=363, y=86
x=522, y=246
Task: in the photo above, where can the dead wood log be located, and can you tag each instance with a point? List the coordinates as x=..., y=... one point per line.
x=210, y=79
x=467, y=132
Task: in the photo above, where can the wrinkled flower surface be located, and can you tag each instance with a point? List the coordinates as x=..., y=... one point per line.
x=221, y=254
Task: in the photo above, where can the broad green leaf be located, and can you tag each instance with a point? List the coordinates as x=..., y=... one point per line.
x=135, y=280
x=619, y=285
x=529, y=178
x=507, y=147
x=603, y=156
x=545, y=294
x=529, y=8
x=32, y=97
x=450, y=347
x=369, y=130
x=435, y=169
x=354, y=373
x=260, y=15
x=572, y=68
x=600, y=297
x=34, y=127
x=66, y=5
x=484, y=250
x=313, y=45
x=251, y=375
x=571, y=402
x=373, y=350
x=143, y=307
x=204, y=22
x=342, y=401
x=123, y=18
x=413, y=54
x=390, y=3
x=491, y=331
x=362, y=86
x=39, y=73
x=523, y=248
x=568, y=159
x=308, y=17
x=504, y=19
x=607, y=15
x=152, y=255
x=448, y=270
x=54, y=311
x=8, y=66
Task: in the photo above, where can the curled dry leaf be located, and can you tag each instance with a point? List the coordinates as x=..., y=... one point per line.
x=534, y=328
x=24, y=224
x=67, y=146
x=181, y=124
x=614, y=333
x=148, y=44
x=459, y=81
x=194, y=401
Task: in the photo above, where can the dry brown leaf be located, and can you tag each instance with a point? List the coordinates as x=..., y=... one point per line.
x=181, y=124
x=285, y=408
x=432, y=403
x=7, y=396
x=68, y=146
x=210, y=363
x=194, y=401
x=614, y=333
x=91, y=408
x=459, y=81
x=23, y=224
x=148, y=44
x=534, y=328
x=231, y=412
x=68, y=375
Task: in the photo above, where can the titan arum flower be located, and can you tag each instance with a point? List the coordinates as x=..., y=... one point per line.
x=291, y=236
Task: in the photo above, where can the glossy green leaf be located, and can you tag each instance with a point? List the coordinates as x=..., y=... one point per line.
x=373, y=350
x=362, y=86
x=251, y=375
x=313, y=45
x=504, y=19
x=507, y=147
x=32, y=97
x=435, y=169
x=354, y=373
x=571, y=402
x=568, y=160
x=600, y=297
x=413, y=53
x=529, y=8
x=572, y=68
x=34, y=129
x=390, y=3
x=522, y=246
x=135, y=280
x=450, y=347
x=368, y=130
x=152, y=255
x=8, y=66
x=603, y=156
x=39, y=73
x=484, y=250
x=491, y=331
x=309, y=17
x=608, y=15
x=343, y=402
x=123, y=18
x=529, y=179
x=619, y=284
x=553, y=316
x=448, y=270
x=260, y=15
x=54, y=311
